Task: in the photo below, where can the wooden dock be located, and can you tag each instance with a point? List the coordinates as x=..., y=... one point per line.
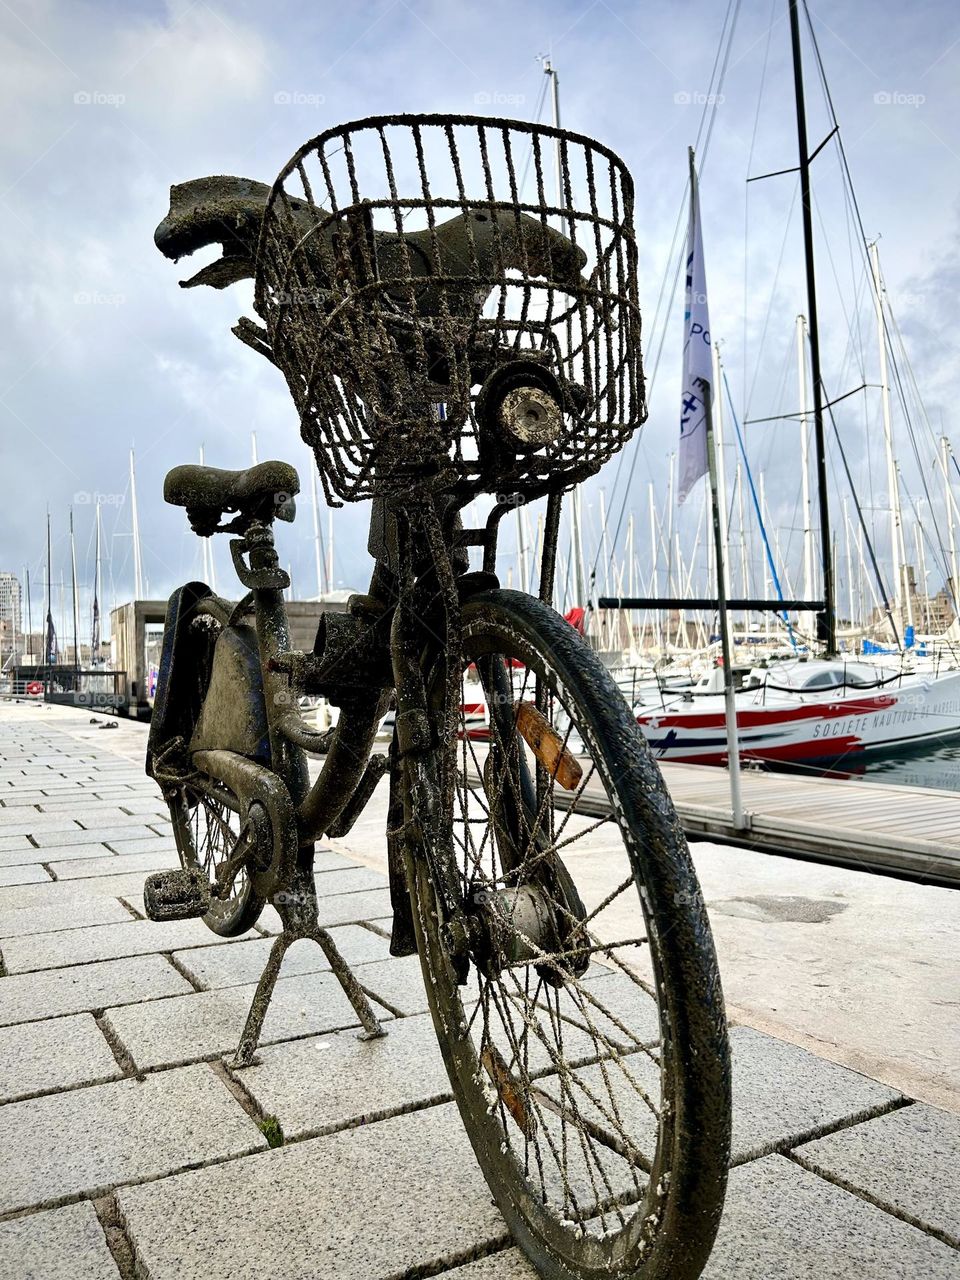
x=910, y=830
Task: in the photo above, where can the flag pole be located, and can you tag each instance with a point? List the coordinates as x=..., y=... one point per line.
x=726, y=646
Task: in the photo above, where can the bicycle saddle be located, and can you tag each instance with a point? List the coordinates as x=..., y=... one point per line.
x=209, y=490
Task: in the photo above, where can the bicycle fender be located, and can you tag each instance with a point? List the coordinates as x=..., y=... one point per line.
x=172, y=717
x=234, y=712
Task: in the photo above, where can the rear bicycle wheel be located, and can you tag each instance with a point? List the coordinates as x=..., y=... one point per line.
x=207, y=820
x=579, y=1012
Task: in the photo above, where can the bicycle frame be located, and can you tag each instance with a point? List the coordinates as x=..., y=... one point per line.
x=352, y=662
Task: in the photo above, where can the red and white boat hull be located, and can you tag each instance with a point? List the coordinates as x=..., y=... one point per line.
x=796, y=729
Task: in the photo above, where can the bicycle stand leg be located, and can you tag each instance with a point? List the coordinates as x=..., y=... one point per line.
x=261, y=1001
x=351, y=987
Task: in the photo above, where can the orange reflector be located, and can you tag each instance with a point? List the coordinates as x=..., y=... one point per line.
x=547, y=745
x=509, y=1089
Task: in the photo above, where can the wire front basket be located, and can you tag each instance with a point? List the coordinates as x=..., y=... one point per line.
x=405, y=261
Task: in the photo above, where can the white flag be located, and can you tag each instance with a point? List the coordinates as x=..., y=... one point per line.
x=697, y=363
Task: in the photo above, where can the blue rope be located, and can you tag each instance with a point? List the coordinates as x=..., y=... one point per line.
x=756, y=506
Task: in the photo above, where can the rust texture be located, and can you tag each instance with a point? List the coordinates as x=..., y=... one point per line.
x=385, y=332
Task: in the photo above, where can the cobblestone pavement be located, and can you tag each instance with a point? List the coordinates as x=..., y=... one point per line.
x=131, y=1148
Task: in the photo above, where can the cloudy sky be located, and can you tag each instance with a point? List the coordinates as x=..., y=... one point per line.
x=107, y=102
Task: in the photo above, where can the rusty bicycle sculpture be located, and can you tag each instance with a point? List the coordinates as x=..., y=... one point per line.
x=445, y=336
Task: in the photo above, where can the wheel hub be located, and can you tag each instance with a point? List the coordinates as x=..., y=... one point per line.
x=511, y=927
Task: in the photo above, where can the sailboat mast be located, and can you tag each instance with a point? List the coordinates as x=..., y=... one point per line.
x=849, y=563
x=550, y=70
x=315, y=508
x=711, y=395
x=830, y=616
x=26, y=574
x=330, y=549
x=575, y=507
x=951, y=523
x=718, y=441
x=656, y=621
x=95, y=620
x=907, y=593
x=73, y=590
x=135, y=529
x=893, y=495
x=805, y=459
x=922, y=562
x=522, y=553
x=206, y=545
x=47, y=646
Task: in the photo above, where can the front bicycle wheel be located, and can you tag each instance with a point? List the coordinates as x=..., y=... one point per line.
x=577, y=1001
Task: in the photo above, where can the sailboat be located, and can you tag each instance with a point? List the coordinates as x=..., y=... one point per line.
x=801, y=709
x=815, y=710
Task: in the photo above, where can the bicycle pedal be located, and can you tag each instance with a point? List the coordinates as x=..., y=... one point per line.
x=176, y=895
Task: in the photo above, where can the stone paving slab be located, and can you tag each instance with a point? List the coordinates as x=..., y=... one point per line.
x=57, y=1244
x=366, y=1204
x=124, y=884
x=15, y=823
x=24, y=873
x=34, y=797
x=135, y=828
x=25, y=997
x=74, y=913
x=327, y=860
x=55, y=1054
x=19, y=802
x=349, y=908
x=330, y=1082
x=18, y=855
x=781, y=1221
x=907, y=1161
x=343, y=908
x=120, y=1132
x=349, y=880
x=107, y=942
x=142, y=844
x=235, y=963
x=105, y=812
x=15, y=844
x=509, y=1264
x=208, y=1023
x=164, y=855
x=399, y=984
x=632, y=1007
x=782, y=1093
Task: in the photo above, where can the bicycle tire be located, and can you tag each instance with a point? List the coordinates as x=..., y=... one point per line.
x=676, y=1212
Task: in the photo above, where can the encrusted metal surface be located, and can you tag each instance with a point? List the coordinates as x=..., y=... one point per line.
x=404, y=259
x=453, y=302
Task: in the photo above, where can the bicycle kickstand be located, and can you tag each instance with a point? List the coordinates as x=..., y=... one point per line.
x=298, y=911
